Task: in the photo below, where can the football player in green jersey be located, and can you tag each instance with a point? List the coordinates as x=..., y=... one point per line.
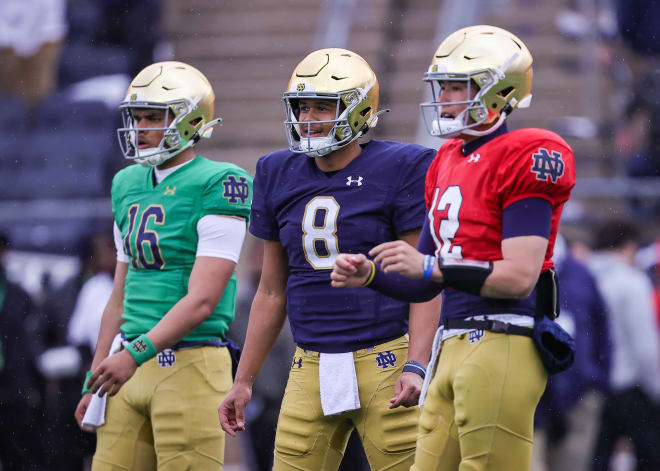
x=180, y=221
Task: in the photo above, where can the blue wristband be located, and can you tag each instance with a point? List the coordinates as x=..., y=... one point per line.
x=414, y=367
x=429, y=263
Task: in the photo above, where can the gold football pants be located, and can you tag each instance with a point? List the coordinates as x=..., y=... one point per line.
x=165, y=417
x=308, y=440
x=478, y=414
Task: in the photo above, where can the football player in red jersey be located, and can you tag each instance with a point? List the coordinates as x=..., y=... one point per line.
x=494, y=198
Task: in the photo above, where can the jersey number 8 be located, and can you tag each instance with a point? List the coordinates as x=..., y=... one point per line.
x=319, y=226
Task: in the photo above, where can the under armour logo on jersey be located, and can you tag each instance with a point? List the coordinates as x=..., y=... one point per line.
x=474, y=158
x=166, y=358
x=296, y=362
x=235, y=190
x=169, y=191
x=351, y=180
x=475, y=336
x=385, y=359
x=548, y=165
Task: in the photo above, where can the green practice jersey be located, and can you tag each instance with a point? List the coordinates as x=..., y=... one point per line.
x=158, y=225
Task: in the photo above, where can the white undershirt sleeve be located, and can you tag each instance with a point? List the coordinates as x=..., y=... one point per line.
x=119, y=245
x=220, y=236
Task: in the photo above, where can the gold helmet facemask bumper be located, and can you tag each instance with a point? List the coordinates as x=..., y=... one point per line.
x=491, y=59
x=336, y=75
x=187, y=98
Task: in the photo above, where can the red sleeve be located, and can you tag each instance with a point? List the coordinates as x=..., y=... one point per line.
x=431, y=179
x=543, y=168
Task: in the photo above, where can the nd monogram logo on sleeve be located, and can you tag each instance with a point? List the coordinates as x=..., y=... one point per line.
x=235, y=190
x=548, y=165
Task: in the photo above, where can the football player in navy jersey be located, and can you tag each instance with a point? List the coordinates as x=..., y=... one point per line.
x=359, y=354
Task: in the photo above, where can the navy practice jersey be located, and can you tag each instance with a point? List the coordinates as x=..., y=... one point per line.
x=316, y=216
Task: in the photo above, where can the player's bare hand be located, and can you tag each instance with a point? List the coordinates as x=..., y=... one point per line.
x=400, y=257
x=350, y=271
x=232, y=410
x=81, y=408
x=112, y=373
x=407, y=390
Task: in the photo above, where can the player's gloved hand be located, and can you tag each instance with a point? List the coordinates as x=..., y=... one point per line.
x=350, y=271
x=232, y=410
x=399, y=256
x=112, y=373
x=407, y=390
x=81, y=408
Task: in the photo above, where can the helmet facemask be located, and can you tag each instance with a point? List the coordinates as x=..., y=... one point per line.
x=492, y=103
x=186, y=128
x=352, y=120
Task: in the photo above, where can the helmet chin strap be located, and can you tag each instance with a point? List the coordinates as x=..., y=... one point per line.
x=474, y=132
x=448, y=128
x=330, y=138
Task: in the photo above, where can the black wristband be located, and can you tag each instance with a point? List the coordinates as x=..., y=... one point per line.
x=465, y=275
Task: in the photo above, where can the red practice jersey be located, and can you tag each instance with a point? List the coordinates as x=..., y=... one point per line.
x=466, y=194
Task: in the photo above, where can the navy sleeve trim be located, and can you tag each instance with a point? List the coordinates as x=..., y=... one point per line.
x=531, y=216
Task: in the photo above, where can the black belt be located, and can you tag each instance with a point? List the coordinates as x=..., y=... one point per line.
x=489, y=325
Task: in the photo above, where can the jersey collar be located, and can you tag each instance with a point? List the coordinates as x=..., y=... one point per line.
x=474, y=145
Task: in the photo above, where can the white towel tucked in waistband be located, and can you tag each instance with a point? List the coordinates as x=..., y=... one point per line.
x=338, y=383
x=430, y=369
x=95, y=414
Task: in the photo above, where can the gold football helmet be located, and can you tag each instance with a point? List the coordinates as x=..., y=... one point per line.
x=187, y=98
x=491, y=59
x=332, y=74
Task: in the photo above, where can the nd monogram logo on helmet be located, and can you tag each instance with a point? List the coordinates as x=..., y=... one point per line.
x=235, y=190
x=547, y=165
x=300, y=87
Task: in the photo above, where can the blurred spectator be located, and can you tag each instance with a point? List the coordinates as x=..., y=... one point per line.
x=31, y=32
x=638, y=133
x=632, y=408
x=85, y=321
x=20, y=429
x=568, y=415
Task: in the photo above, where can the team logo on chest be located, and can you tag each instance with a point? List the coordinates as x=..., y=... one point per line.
x=474, y=158
x=354, y=181
x=547, y=165
x=235, y=190
x=166, y=358
x=384, y=360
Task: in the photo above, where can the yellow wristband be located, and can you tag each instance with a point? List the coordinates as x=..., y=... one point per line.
x=372, y=273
